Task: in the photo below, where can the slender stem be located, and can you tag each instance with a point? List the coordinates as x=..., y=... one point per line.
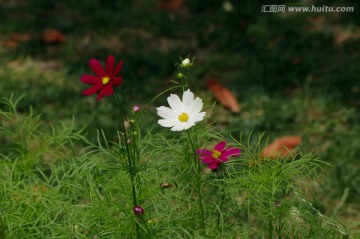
x=171, y=88
x=270, y=228
x=279, y=227
x=132, y=167
x=222, y=194
x=2, y=229
x=198, y=183
x=185, y=85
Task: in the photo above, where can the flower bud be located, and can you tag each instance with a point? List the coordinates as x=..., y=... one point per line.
x=186, y=63
x=179, y=75
x=136, y=108
x=138, y=210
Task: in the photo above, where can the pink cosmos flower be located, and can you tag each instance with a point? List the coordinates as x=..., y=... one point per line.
x=218, y=155
x=104, y=79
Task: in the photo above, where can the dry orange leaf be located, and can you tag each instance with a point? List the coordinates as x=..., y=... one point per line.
x=224, y=95
x=169, y=5
x=11, y=43
x=15, y=39
x=281, y=147
x=53, y=36
x=21, y=37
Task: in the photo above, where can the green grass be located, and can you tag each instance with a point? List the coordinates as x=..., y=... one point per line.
x=52, y=189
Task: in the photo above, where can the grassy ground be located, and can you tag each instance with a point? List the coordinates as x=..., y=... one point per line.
x=293, y=73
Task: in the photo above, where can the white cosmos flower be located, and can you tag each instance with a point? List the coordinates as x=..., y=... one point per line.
x=182, y=114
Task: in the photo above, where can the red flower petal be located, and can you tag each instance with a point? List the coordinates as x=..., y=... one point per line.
x=214, y=165
x=110, y=62
x=204, y=152
x=118, y=68
x=90, y=79
x=92, y=90
x=106, y=91
x=208, y=159
x=116, y=81
x=230, y=152
x=223, y=159
x=220, y=146
x=96, y=67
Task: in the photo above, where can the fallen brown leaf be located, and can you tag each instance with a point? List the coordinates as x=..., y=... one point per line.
x=23, y=37
x=344, y=34
x=11, y=43
x=53, y=36
x=341, y=33
x=169, y=5
x=224, y=95
x=281, y=147
x=15, y=39
x=29, y=63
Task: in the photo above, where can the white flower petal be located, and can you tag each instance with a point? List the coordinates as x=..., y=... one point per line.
x=188, y=98
x=188, y=105
x=175, y=103
x=166, y=112
x=189, y=124
x=179, y=126
x=167, y=122
x=196, y=106
x=197, y=117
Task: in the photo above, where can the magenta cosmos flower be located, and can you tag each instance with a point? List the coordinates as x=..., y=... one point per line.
x=218, y=155
x=104, y=79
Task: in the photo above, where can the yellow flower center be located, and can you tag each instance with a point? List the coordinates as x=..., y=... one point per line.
x=216, y=154
x=183, y=117
x=105, y=80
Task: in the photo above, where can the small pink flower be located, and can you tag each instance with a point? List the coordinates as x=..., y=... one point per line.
x=136, y=108
x=218, y=155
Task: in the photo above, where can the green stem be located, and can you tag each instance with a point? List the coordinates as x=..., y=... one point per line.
x=222, y=194
x=132, y=167
x=270, y=228
x=171, y=88
x=279, y=227
x=198, y=183
x=2, y=229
